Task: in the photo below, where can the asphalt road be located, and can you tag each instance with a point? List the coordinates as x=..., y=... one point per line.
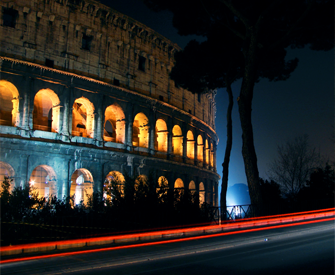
x=307, y=249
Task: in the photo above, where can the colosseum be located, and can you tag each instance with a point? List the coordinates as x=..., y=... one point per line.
x=85, y=92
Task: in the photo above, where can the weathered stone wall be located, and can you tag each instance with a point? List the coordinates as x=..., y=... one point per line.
x=91, y=39
x=108, y=106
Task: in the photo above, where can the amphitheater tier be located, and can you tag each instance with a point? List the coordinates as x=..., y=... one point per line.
x=85, y=91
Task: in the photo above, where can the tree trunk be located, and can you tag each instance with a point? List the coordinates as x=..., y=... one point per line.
x=244, y=103
x=225, y=164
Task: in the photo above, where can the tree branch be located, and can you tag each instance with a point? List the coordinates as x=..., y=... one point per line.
x=300, y=19
x=245, y=20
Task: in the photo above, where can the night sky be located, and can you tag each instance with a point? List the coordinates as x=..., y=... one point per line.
x=303, y=104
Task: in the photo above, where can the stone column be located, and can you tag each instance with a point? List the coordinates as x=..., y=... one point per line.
x=25, y=118
x=129, y=127
x=98, y=132
x=184, y=145
x=152, y=124
x=169, y=143
x=184, y=132
x=67, y=116
x=214, y=156
x=66, y=119
x=204, y=153
x=196, y=148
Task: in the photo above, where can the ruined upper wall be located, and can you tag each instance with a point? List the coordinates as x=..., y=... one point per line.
x=88, y=38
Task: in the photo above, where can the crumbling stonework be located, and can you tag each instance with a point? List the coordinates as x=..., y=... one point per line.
x=85, y=90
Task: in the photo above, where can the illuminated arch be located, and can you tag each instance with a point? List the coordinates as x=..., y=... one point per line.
x=207, y=151
x=161, y=136
x=119, y=179
x=192, y=187
x=200, y=149
x=163, y=187
x=46, y=111
x=177, y=141
x=201, y=193
x=212, y=155
x=43, y=180
x=163, y=182
x=114, y=126
x=141, y=131
x=115, y=175
x=9, y=104
x=83, y=118
x=6, y=170
x=190, y=144
x=179, y=184
x=81, y=185
x=140, y=182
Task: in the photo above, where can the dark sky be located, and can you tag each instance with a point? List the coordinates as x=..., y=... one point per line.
x=303, y=104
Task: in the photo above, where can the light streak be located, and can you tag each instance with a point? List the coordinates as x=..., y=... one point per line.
x=227, y=226
x=163, y=242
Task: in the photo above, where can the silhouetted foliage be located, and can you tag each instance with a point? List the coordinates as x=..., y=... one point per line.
x=294, y=163
x=271, y=196
x=260, y=32
x=320, y=188
x=138, y=203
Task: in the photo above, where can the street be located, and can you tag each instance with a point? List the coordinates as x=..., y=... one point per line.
x=291, y=250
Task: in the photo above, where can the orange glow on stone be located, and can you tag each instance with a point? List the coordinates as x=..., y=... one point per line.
x=177, y=141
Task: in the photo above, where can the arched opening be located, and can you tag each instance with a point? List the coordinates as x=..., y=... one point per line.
x=177, y=141
x=161, y=136
x=115, y=176
x=9, y=103
x=207, y=151
x=201, y=193
x=200, y=149
x=46, y=111
x=43, y=181
x=179, y=184
x=83, y=118
x=191, y=187
x=6, y=170
x=81, y=186
x=212, y=155
x=109, y=131
x=114, y=185
x=141, y=131
x=190, y=145
x=114, y=130
x=140, y=183
x=163, y=186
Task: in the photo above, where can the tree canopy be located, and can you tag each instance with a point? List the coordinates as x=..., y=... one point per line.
x=249, y=39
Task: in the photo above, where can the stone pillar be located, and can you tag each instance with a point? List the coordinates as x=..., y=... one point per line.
x=129, y=127
x=214, y=156
x=30, y=121
x=98, y=132
x=152, y=124
x=99, y=123
x=169, y=143
x=196, y=149
x=184, y=143
x=67, y=118
x=204, y=153
x=25, y=118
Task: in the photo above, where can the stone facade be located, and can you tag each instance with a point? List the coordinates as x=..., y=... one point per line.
x=85, y=90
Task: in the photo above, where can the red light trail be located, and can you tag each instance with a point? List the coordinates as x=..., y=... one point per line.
x=248, y=223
